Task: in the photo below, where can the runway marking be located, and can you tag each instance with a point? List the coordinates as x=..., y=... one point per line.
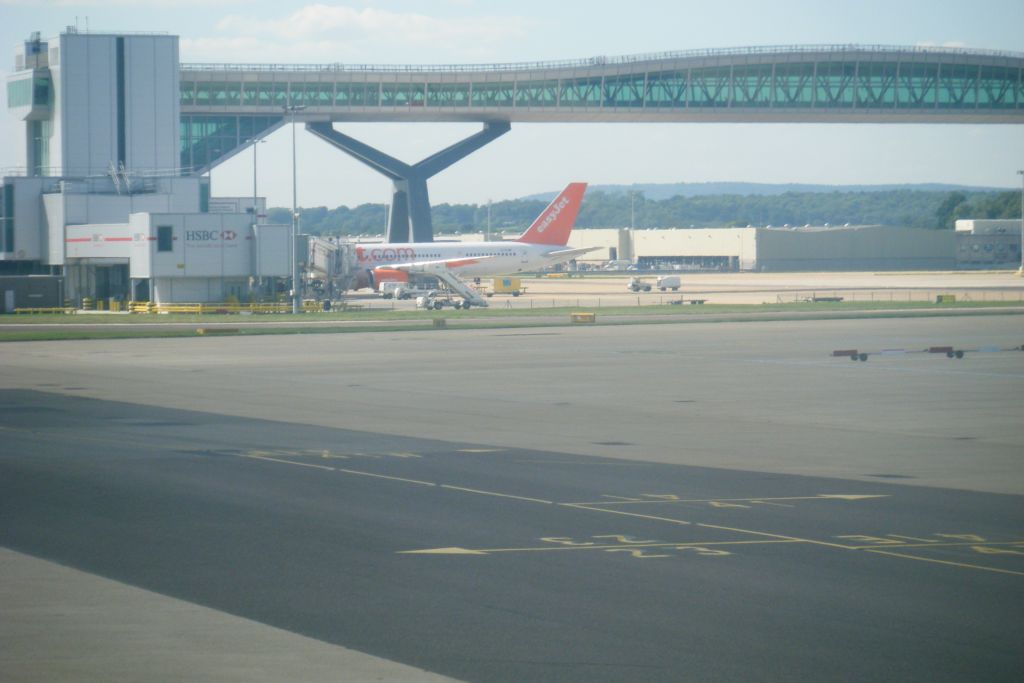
x=778, y=536
x=881, y=545
x=479, y=450
x=583, y=506
x=286, y=462
x=499, y=495
x=700, y=547
x=386, y=476
x=653, y=498
x=962, y=565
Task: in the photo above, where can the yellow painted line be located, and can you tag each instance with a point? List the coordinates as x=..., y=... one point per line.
x=631, y=546
x=480, y=450
x=442, y=551
x=499, y=495
x=962, y=565
x=583, y=506
x=781, y=536
x=405, y=455
x=938, y=544
x=671, y=499
x=285, y=462
x=385, y=476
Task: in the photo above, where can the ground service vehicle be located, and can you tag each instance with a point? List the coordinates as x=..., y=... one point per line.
x=669, y=282
x=637, y=285
x=507, y=285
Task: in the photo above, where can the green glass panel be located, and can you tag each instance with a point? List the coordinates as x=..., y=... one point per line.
x=341, y=96
x=537, y=93
x=793, y=86
x=492, y=94
x=666, y=89
x=876, y=85
x=624, y=91
x=218, y=94
x=401, y=94
x=997, y=87
x=580, y=92
x=188, y=93
x=834, y=85
x=42, y=94
x=314, y=94
x=917, y=86
x=709, y=87
x=751, y=85
x=448, y=94
x=365, y=94
x=19, y=93
x=958, y=86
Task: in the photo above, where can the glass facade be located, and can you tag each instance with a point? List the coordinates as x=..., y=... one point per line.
x=933, y=83
x=39, y=133
x=7, y=218
x=205, y=139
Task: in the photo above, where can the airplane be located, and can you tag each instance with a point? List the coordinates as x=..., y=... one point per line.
x=543, y=244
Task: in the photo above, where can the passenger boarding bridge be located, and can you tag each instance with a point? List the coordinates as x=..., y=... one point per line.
x=224, y=106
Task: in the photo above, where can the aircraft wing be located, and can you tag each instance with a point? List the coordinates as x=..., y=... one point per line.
x=570, y=253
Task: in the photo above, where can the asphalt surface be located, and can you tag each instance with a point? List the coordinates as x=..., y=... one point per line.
x=489, y=562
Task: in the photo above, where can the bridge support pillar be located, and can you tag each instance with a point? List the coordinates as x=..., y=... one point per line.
x=410, y=205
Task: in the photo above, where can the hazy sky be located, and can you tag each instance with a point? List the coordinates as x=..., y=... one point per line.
x=544, y=157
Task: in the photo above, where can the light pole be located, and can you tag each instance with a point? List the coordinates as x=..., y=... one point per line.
x=255, y=200
x=1020, y=271
x=296, y=293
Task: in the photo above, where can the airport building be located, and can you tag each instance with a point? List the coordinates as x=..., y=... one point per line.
x=119, y=136
x=988, y=243
x=103, y=203
x=772, y=249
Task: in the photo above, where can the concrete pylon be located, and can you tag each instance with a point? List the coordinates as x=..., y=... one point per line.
x=410, y=205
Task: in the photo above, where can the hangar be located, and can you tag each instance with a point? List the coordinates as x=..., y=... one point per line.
x=773, y=249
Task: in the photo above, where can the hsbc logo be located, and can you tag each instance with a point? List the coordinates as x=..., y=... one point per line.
x=550, y=218
x=210, y=235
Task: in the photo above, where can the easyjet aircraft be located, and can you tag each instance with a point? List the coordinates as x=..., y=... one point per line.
x=542, y=245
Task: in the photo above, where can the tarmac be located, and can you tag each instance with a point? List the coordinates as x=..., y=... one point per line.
x=155, y=489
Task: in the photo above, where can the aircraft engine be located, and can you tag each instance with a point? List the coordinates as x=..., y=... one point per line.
x=373, y=278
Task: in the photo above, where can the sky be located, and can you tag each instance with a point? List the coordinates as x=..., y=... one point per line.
x=536, y=158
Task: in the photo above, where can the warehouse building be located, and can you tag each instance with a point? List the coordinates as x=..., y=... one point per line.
x=772, y=249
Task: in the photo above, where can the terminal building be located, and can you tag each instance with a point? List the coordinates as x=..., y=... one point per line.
x=103, y=203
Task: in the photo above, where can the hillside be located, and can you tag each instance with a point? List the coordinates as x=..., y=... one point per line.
x=904, y=207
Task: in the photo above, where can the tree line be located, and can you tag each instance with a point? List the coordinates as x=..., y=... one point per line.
x=899, y=208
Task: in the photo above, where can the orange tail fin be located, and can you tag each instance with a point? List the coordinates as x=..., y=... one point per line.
x=555, y=223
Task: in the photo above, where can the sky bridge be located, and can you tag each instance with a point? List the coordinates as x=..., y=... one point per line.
x=225, y=106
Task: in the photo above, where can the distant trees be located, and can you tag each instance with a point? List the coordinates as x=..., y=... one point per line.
x=909, y=208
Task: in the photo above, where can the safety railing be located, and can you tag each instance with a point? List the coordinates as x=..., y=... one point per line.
x=613, y=60
x=229, y=307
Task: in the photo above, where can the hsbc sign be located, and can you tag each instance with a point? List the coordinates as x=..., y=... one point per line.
x=210, y=235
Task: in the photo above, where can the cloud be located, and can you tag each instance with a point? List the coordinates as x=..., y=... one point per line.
x=344, y=33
